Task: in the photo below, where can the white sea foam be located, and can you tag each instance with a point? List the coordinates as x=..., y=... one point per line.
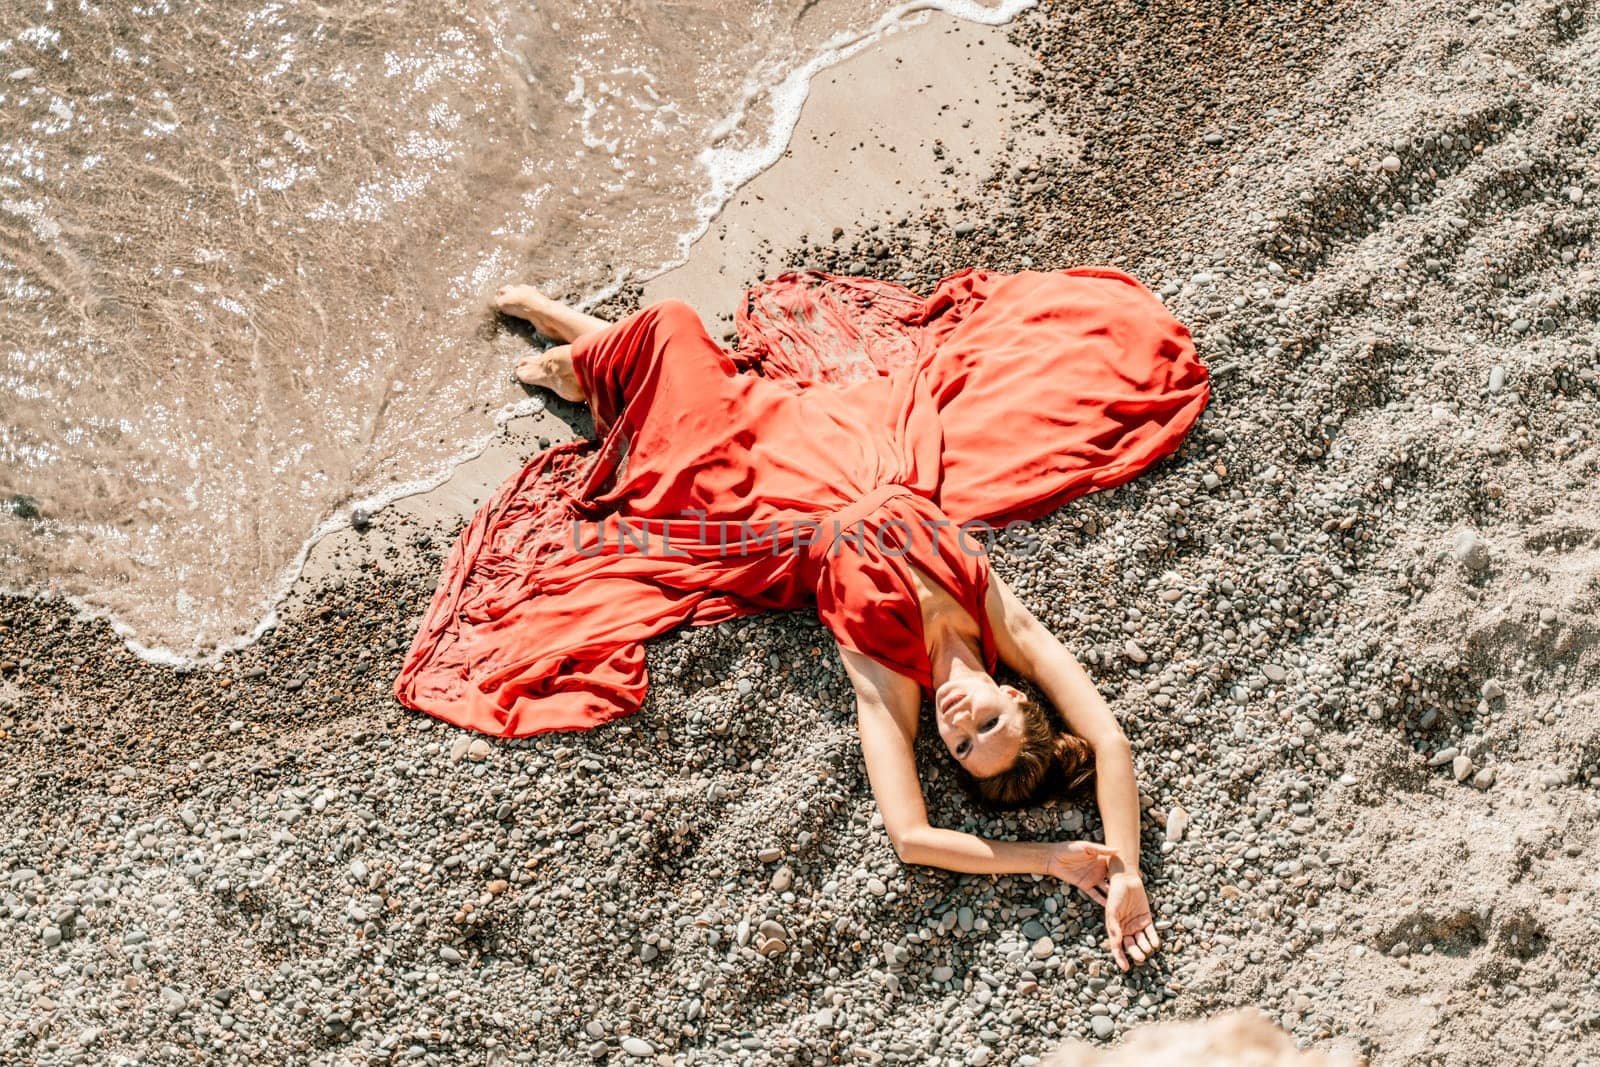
x=727, y=170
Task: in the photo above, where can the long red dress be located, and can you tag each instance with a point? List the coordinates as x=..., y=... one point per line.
x=854, y=429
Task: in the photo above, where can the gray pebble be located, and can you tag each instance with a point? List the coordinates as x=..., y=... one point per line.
x=1470, y=551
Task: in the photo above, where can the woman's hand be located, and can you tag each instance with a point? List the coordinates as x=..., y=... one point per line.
x=1129, y=925
x=1084, y=864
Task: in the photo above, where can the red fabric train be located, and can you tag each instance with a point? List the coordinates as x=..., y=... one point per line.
x=854, y=429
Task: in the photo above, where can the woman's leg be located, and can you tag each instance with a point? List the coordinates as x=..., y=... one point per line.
x=550, y=317
x=552, y=369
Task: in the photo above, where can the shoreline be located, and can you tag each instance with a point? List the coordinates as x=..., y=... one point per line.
x=1351, y=628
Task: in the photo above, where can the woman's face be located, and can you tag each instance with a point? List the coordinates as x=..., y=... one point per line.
x=980, y=722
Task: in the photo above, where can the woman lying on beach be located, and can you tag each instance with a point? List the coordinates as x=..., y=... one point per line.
x=853, y=455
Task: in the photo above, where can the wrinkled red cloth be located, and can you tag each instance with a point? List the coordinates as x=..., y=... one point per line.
x=856, y=426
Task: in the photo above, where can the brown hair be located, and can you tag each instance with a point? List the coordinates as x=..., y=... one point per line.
x=1049, y=765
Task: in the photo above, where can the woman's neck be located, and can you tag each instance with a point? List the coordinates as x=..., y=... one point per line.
x=951, y=653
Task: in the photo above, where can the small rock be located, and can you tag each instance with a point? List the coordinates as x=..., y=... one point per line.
x=1470, y=551
x=361, y=520
x=1213, y=138
x=1443, y=756
x=782, y=878
x=479, y=750
x=450, y=954
x=770, y=855
x=24, y=507
x=943, y=973
x=1391, y=164
x=1484, y=778
x=1274, y=672
x=963, y=228
x=1132, y=650
x=52, y=936
x=638, y=1046
x=1497, y=379
x=1461, y=766
x=1043, y=948
x=1492, y=690
x=1177, y=823
x=1102, y=1026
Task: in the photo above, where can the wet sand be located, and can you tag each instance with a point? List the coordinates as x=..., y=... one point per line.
x=1352, y=629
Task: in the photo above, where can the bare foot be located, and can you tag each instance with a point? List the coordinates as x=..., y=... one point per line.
x=529, y=304
x=550, y=317
x=552, y=370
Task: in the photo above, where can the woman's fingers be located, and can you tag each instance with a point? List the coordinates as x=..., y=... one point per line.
x=1114, y=932
x=1148, y=941
x=1094, y=893
x=1131, y=946
x=1094, y=848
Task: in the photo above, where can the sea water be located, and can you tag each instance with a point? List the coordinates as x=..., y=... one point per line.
x=246, y=249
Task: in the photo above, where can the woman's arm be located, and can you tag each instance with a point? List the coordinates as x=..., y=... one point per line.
x=887, y=704
x=1029, y=648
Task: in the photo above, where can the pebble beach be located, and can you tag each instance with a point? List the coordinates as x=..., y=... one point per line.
x=1351, y=628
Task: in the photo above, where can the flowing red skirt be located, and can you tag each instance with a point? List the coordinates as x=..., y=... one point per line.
x=854, y=430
